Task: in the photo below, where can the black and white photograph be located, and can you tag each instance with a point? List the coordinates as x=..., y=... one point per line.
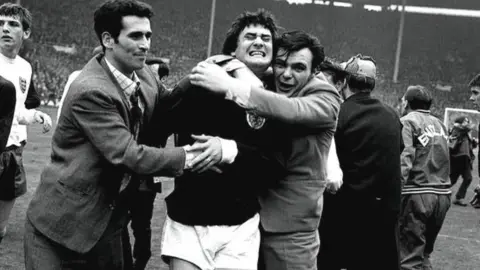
x=239, y=135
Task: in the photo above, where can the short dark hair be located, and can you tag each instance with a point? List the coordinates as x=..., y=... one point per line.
x=359, y=79
x=260, y=17
x=475, y=82
x=359, y=83
x=11, y=9
x=418, y=97
x=108, y=16
x=294, y=41
x=460, y=119
x=163, y=69
x=334, y=69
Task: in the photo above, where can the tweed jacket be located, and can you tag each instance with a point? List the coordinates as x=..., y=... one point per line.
x=295, y=202
x=92, y=149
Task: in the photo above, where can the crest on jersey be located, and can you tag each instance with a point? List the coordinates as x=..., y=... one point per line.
x=255, y=121
x=23, y=84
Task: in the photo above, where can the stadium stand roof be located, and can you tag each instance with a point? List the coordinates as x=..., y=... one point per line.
x=453, y=4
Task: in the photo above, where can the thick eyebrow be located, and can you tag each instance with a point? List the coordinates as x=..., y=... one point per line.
x=255, y=34
x=140, y=33
x=14, y=22
x=299, y=64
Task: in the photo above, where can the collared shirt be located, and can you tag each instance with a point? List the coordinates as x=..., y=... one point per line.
x=128, y=85
x=229, y=148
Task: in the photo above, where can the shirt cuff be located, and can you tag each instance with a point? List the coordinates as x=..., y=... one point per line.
x=229, y=151
x=239, y=93
x=189, y=156
x=26, y=117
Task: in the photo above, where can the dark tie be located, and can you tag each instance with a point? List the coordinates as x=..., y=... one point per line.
x=136, y=111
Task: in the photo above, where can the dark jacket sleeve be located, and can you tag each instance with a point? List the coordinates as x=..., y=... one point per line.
x=33, y=97
x=7, y=110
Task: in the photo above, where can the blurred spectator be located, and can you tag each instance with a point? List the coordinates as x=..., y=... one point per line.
x=426, y=58
x=461, y=146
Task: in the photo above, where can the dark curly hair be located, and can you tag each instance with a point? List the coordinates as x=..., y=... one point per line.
x=10, y=9
x=108, y=16
x=260, y=17
x=294, y=41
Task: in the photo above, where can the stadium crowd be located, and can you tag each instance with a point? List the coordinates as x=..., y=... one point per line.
x=109, y=122
x=436, y=49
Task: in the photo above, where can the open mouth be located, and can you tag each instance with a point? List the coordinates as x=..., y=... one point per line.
x=257, y=53
x=285, y=85
x=7, y=38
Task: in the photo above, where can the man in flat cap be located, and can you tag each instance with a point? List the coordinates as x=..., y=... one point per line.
x=425, y=179
x=365, y=208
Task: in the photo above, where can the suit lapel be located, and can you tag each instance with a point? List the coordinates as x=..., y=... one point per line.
x=147, y=94
x=117, y=85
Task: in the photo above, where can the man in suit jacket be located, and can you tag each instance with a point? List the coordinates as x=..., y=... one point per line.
x=70, y=79
x=78, y=213
x=142, y=203
x=290, y=211
x=365, y=209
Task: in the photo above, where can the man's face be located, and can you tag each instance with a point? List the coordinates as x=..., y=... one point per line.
x=475, y=97
x=254, y=47
x=292, y=73
x=12, y=35
x=130, y=50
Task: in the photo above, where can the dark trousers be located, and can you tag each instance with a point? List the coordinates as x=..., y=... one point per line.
x=461, y=166
x=330, y=254
x=288, y=251
x=43, y=253
x=421, y=219
x=141, y=212
x=357, y=233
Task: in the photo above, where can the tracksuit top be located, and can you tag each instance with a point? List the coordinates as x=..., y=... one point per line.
x=425, y=159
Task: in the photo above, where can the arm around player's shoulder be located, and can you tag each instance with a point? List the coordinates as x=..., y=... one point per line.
x=316, y=105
